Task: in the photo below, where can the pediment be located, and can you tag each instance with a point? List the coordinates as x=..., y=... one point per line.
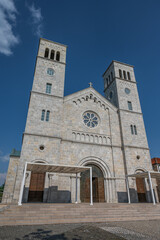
x=89, y=94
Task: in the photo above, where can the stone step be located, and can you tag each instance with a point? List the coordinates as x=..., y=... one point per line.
x=76, y=220
x=74, y=213
x=74, y=216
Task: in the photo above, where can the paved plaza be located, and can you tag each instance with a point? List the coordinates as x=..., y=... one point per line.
x=138, y=230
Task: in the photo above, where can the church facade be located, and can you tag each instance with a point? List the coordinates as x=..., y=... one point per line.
x=81, y=129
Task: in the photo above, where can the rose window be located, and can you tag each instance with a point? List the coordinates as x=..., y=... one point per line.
x=90, y=119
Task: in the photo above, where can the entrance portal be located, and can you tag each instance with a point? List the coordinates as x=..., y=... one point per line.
x=141, y=192
x=97, y=185
x=36, y=187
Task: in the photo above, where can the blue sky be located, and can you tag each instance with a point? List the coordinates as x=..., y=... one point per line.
x=96, y=32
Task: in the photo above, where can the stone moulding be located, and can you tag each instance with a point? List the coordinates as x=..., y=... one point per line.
x=91, y=137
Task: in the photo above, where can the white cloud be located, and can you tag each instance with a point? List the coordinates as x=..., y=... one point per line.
x=36, y=19
x=2, y=178
x=4, y=157
x=7, y=20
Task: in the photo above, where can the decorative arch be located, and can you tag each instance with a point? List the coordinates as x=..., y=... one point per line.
x=98, y=162
x=40, y=161
x=140, y=169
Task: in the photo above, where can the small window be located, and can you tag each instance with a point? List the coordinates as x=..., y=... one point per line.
x=58, y=56
x=111, y=95
x=130, y=106
x=132, y=132
x=41, y=147
x=124, y=74
x=111, y=76
x=46, y=53
x=50, y=71
x=48, y=88
x=52, y=55
x=135, y=130
x=43, y=115
x=120, y=73
x=128, y=74
x=47, y=116
x=109, y=79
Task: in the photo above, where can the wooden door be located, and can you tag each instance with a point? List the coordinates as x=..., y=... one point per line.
x=101, y=189
x=36, y=187
x=95, y=189
x=141, y=189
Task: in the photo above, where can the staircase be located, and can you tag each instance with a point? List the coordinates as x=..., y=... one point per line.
x=29, y=214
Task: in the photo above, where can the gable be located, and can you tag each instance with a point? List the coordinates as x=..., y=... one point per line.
x=89, y=94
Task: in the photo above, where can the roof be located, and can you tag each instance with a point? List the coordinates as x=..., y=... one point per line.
x=53, y=42
x=42, y=168
x=90, y=90
x=155, y=160
x=15, y=153
x=145, y=175
x=116, y=62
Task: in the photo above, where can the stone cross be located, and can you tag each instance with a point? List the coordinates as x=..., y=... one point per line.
x=90, y=84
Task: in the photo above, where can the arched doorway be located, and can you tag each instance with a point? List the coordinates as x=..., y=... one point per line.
x=141, y=188
x=97, y=185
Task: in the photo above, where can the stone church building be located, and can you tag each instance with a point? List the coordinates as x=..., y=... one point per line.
x=85, y=128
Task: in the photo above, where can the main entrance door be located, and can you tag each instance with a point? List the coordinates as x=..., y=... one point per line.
x=36, y=187
x=141, y=192
x=97, y=185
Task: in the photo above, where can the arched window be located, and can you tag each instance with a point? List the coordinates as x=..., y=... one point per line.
x=46, y=53
x=135, y=130
x=120, y=73
x=128, y=74
x=132, y=132
x=42, y=115
x=111, y=76
x=47, y=116
x=124, y=74
x=58, y=56
x=52, y=55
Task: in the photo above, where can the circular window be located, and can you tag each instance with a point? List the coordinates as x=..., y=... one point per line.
x=90, y=119
x=127, y=90
x=50, y=71
x=41, y=147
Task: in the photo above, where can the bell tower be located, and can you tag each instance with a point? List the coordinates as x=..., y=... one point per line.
x=50, y=68
x=120, y=88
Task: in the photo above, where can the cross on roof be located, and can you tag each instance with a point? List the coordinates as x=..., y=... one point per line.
x=90, y=84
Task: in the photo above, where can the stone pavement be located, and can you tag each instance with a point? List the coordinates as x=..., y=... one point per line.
x=139, y=230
